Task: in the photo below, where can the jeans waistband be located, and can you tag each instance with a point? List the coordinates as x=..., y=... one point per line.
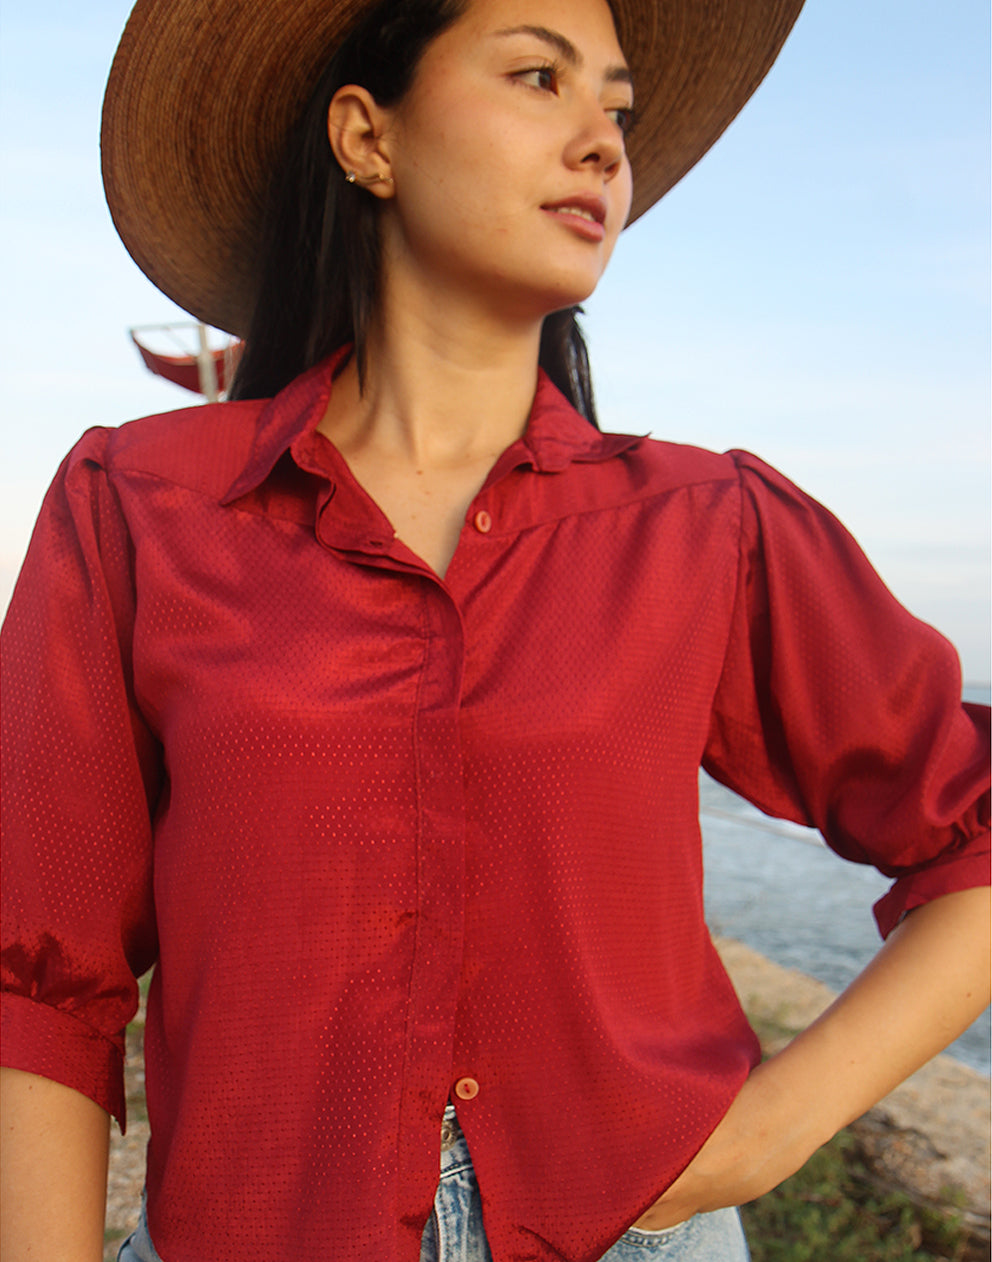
x=454, y=1149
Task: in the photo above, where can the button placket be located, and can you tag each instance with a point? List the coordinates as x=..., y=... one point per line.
x=437, y=954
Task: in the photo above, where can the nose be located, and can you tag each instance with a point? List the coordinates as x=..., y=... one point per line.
x=597, y=141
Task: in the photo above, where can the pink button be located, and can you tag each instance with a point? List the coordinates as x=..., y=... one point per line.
x=466, y=1088
x=483, y=522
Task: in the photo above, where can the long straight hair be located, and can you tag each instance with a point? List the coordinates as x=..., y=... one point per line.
x=319, y=268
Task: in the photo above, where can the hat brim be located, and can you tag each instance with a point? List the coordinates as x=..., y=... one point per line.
x=198, y=106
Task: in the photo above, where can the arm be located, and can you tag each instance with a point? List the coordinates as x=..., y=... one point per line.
x=80, y=773
x=926, y=985
x=53, y=1171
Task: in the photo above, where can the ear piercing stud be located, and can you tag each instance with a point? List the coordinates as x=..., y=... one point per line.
x=352, y=178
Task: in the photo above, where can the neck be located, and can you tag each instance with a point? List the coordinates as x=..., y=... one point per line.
x=445, y=384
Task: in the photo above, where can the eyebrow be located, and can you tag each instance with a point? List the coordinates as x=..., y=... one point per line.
x=567, y=50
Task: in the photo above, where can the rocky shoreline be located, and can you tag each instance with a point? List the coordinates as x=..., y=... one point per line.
x=929, y=1138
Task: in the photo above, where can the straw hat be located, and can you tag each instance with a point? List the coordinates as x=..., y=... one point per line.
x=202, y=94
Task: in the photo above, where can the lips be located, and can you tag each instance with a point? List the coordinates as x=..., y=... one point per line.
x=582, y=214
x=582, y=205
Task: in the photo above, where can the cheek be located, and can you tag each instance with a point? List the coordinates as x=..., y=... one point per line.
x=450, y=164
x=625, y=188
x=620, y=194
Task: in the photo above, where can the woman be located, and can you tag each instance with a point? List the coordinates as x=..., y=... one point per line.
x=377, y=710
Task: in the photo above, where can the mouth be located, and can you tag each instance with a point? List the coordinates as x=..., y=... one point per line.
x=591, y=209
x=584, y=216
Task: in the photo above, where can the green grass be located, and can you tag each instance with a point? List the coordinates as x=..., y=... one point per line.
x=831, y=1211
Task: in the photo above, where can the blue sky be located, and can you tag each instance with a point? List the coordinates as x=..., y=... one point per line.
x=816, y=290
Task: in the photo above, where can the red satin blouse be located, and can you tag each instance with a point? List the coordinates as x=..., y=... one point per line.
x=388, y=839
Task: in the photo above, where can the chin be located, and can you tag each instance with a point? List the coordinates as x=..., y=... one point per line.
x=567, y=292
x=531, y=295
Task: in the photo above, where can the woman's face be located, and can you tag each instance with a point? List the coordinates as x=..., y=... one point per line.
x=511, y=180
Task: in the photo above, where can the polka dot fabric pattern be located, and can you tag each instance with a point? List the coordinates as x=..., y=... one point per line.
x=389, y=839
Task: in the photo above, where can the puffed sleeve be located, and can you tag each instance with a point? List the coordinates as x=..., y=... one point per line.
x=81, y=773
x=838, y=709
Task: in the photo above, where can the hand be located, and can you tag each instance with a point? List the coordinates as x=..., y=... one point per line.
x=759, y=1142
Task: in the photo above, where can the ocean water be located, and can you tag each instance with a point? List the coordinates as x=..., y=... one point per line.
x=779, y=889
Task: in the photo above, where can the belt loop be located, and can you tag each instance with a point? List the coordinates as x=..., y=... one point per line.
x=450, y=1131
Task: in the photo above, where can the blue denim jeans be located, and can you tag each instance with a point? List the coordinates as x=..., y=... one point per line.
x=138, y=1246
x=454, y=1231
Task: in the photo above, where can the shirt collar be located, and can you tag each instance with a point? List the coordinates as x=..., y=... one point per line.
x=287, y=421
x=556, y=434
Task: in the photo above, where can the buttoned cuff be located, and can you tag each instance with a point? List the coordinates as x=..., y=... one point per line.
x=39, y=1039
x=961, y=871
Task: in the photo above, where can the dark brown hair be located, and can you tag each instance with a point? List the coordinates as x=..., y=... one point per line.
x=319, y=269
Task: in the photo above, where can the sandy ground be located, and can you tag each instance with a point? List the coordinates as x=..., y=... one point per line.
x=930, y=1137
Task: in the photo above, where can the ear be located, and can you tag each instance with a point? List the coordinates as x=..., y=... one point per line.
x=356, y=128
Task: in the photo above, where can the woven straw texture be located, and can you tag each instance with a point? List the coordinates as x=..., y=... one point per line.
x=202, y=93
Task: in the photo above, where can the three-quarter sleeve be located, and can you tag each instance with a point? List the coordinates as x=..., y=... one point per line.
x=81, y=773
x=838, y=709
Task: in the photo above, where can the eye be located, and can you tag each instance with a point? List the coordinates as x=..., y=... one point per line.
x=544, y=78
x=625, y=118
